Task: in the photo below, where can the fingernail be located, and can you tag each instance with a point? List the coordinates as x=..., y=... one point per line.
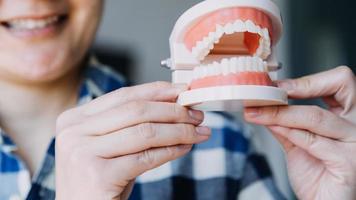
x=203, y=130
x=252, y=112
x=196, y=115
x=286, y=85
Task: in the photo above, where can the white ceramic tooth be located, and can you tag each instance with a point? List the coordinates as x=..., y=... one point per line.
x=195, y=52
x=250, y=26
x=234, y=63
x=224, y=61
x=211, y=46
x=207, y=70
x=248, y=64
x=225, y=70
x=212, y=70
x=260, y=65
x=215, y=66
x=265, y=67
x=196, y=72
x=238, y=64
x=245, y=64
x=201, y=72
x=231, y=66
x=242, y=63
x=229, y=28
x=238, y=26
x=225, y=66
x=215, y=70
x=252, y=65
x=212, y=35
x=199, y=44
x=219, y=32
x=259, y=31
x=244, y=28
x=206, y=52
x=211, y=40
x=265, y=33
x=255, y=64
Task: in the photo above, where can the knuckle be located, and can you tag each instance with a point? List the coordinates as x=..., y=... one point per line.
x=121, y=93
x=177, y=109
x=316, y=116
x=275, y=112
x=62, y=120
x=346, y=73
x=161, y=84
x=187, y=131
x=63, y=139
x=68, y=146
x=146, y=158
x=171, y=152
x=310, y=139
x=77, y=155
x=146, y=131
x=304, y=82
x=138, y=107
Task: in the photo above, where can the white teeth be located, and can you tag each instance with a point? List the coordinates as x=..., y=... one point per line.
x=229, y=28
x=219, y=33
x=203, y=47
x=31, y=24
x=232, y=65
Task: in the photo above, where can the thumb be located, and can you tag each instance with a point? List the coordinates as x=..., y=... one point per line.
x=339, y=83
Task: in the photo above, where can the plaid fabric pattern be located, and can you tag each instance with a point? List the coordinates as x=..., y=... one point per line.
x=225, y=167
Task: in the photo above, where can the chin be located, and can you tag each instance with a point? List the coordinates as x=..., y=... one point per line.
x=43, y=75
x=35, y=73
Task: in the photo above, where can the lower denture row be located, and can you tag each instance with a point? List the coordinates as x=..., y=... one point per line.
x=241, y=78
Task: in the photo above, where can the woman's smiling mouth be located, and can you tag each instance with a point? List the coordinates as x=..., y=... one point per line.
x=32, y=27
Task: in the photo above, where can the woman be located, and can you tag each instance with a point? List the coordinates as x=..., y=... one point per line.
x=103, y=145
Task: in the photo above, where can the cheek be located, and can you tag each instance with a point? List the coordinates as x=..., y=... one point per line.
x=85, y=16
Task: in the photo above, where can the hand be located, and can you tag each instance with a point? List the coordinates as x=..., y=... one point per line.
x=320, y=144
x=102, y=146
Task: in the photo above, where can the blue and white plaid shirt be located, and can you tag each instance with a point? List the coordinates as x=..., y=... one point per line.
x=224, y=167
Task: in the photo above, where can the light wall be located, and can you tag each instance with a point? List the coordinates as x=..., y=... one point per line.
x=142, y=28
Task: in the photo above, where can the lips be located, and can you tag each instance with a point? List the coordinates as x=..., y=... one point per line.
x=34, y=25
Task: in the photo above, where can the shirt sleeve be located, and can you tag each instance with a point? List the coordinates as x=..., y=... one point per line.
x=257, y=181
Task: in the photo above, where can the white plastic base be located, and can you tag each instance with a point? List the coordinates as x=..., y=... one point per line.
x=233, y=98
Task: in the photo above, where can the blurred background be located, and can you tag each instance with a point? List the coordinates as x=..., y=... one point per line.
x=318, y=35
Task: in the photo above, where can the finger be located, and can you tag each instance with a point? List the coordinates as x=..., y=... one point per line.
x=146, y=136
x=157, y=91
x=338, y=82
x=135, y=113
x=318, y=146
x=131, y=166
x=286, y=144
x=312, y=118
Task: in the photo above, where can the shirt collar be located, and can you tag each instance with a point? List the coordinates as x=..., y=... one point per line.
x=6, y=144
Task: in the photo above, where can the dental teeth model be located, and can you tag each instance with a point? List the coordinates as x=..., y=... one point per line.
x=223, y=49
